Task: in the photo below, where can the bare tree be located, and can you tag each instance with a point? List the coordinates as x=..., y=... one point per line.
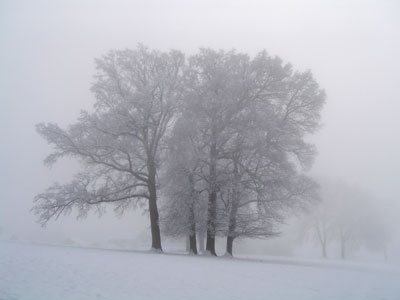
x=318, y=224
x=120, y=144
x=375, y=233
x=348, y=206
x=348, y=216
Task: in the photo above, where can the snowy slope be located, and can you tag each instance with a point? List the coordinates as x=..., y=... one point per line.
x=29, y=271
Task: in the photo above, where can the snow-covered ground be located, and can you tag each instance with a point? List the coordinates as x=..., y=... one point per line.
x=33, y=271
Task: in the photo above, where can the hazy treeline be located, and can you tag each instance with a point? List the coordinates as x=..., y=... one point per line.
x=214, y=144
x=346, y=217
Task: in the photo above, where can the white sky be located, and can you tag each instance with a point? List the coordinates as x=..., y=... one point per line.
x=47, y=61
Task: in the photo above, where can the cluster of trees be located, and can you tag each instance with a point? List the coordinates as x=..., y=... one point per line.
x=218, y=138
x=348, y=217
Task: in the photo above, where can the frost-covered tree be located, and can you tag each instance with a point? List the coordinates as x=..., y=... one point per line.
x=250, y=117
x=268, y=146
x=120, y=145
x=232, y=129
x=215, y=88
x=184, y=208
x=259, y=194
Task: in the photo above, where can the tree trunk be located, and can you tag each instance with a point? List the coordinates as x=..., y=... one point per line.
x=320, y=227
x=233, y=212
x=342, y=250
x=212, y=198
x=231, y=228
x=342, y=244
x=154, y=217
x=187, y=240
x=324, y=255
x=210, y=244
x=192, y=219
x=201, y=236
x=212, y=212
x=193, y=246
x=229, y=245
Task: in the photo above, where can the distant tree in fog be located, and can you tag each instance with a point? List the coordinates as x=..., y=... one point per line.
x=120, y=145
x=321, y=222
x=375, y=232
x=349, y=206
x=333, y=219
x=348, y=216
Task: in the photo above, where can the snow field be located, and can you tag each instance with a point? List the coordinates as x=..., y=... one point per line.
x=40, y=272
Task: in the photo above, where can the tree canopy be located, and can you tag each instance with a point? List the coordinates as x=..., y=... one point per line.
x=221, y=135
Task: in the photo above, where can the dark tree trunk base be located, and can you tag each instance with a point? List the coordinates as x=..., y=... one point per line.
x=201, y=236
x=154, y=217
x=343, y=251
x=155, y=229
x=229, y=245
x=210, y=247
x=193, y=246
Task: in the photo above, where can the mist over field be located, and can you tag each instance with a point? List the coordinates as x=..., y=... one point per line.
x=266, y=130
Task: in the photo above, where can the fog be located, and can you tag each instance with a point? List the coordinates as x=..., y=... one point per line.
x=47, y=63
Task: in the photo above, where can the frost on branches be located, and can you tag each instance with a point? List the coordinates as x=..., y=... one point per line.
x=220, y=136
